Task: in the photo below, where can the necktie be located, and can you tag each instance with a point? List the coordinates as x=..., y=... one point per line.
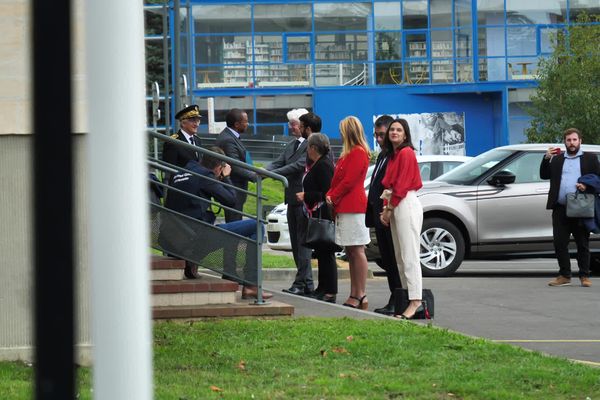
x=296, y=145
x=192, y=141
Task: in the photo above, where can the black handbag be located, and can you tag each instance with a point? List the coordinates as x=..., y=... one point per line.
x=580, y=205
x=320, y=233
x=401, y=302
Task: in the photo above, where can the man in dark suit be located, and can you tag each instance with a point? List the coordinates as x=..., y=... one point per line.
x=564, y=170
x=189, y=120
x=374, y=208
x=229, y=140
x=291, y=164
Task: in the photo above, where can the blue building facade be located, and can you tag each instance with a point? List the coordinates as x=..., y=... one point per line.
x=472, y=60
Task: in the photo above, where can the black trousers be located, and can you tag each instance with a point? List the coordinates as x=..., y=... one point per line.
x=563, y=227
x=388, y=259
x=327, y=272
x=297, y=224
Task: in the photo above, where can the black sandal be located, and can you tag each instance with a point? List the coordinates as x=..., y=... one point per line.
x=362, y=304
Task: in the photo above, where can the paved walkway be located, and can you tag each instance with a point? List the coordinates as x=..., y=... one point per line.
x=485, y=300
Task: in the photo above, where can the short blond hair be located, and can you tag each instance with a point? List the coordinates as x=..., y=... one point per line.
x=353, y=134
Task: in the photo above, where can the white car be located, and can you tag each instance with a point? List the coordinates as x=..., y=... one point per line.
x=278, y=235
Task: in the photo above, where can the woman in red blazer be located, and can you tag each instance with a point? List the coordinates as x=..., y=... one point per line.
x=349, y=201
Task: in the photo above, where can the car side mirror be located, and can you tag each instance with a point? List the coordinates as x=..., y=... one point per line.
x=502, y=178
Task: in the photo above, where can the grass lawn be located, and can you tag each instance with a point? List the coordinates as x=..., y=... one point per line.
x=314, y=358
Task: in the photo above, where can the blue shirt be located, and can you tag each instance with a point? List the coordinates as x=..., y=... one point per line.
x=571, y=171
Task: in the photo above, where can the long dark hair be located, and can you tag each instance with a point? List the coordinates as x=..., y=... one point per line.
x=387, y=145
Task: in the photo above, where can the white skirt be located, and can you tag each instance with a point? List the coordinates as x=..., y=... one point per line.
x=350, y=230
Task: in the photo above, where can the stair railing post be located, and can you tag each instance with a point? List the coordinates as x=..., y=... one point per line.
x=259, y=240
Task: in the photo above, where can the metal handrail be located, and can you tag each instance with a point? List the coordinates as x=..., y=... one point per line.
x=260, y=173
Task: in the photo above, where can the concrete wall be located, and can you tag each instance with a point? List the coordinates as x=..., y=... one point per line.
x=16, y=260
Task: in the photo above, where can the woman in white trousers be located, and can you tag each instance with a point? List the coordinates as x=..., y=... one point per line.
x=403, y=212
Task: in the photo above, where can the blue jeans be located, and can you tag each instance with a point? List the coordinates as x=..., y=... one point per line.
x=245, y=227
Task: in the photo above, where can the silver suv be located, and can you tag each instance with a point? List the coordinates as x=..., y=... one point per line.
x=491, y=206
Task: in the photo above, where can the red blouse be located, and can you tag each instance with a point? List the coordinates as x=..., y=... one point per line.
x=347, y=186
x=402, y=174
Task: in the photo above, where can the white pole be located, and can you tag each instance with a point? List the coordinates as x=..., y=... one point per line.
x=211, y=115
x=118, y=200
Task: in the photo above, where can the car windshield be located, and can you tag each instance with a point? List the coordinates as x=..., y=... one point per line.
x=468, y=172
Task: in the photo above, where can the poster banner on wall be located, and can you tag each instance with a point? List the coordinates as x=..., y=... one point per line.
x=435, y=133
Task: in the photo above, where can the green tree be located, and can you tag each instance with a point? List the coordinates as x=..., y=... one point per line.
x=568, y=94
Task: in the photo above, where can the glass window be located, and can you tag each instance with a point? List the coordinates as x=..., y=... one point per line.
x=387, y=16
x=416, y=73
x=221, y=18
x=490, y=12
x=388, y=46
x=526, y=168
x=342, y=16
x=441, y=13
x=548, y=38
x=222, y=49
x=464, y=43
x=225, y=103
x=442, y=71
x=522, y=68
x=577, y=7
x=491, y=42
x=462, y=13
x=274, y=109
x=536, y=11
x=464, y=70
x=521, y=41
x=388, y=73
x=297, y=48
x=341, y=74
x=415, y=14
x=341, y=47
x=441, y=44
x=282, y=18
x=492, y=69
x=416, y=45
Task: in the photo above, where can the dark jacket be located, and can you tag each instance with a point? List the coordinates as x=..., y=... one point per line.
x=177, y=155
x=234, y=148
x=374, y=202
x=592, y=181
x=316, y=183
x=200, y=187
x=291, y=164
x=552, y=169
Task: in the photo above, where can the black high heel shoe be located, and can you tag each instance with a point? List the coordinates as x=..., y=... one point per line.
x=422, y=308
x=362, y=303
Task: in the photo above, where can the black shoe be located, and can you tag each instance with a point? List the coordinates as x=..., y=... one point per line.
x=191, y=271
x=295, y=290
x=327, y=298
x=388, y=309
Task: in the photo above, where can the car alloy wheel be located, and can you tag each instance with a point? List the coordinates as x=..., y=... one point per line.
x=442, y=247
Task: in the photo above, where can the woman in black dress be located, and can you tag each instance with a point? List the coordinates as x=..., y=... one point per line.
x=316, y=183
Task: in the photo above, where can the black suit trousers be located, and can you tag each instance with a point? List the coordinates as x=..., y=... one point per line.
x=562, y=228
x=297, y=223
x=388, y=258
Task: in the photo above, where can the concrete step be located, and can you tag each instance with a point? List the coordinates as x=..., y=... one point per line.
x=196, y=292
x=210, y=296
